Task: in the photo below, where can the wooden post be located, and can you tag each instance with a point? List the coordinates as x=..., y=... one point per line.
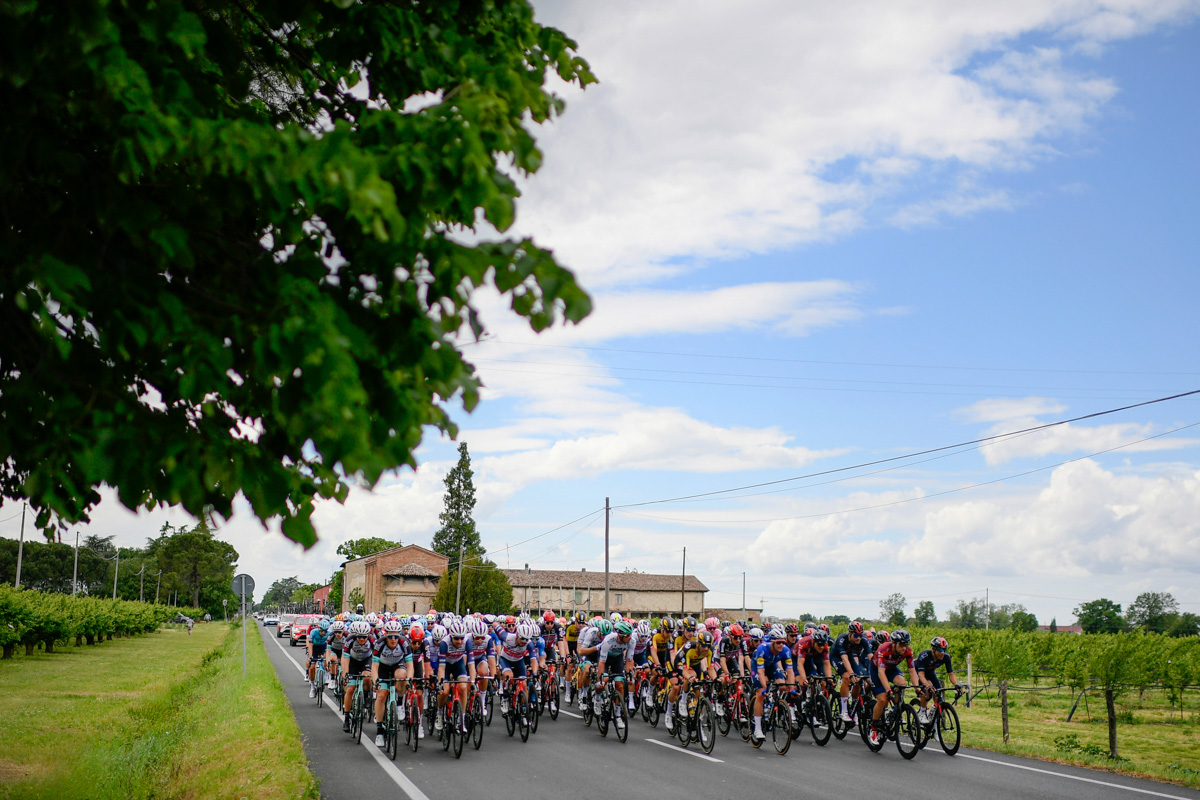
x=970, y=685
x=1110, y=703
x=1004, y=709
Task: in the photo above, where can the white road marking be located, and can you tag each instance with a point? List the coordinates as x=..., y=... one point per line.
x=570, y=713
x=681, y=750
x=1071, y=777
x=401, y=780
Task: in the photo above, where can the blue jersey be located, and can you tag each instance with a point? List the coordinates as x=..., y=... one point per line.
x=317, y=637
x=772, y=663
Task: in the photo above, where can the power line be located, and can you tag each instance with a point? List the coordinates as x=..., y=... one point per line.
x=914, y=499
x=914, y=455
x=491, y=340
x=506, y=548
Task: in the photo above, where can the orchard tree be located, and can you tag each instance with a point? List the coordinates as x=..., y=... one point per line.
x=891, y=610
x=242, y=241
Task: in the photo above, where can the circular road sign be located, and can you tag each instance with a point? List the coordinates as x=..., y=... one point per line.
x=243, y=584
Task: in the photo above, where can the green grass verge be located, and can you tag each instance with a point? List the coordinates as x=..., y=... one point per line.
x=162, y=715
x=1153, y=740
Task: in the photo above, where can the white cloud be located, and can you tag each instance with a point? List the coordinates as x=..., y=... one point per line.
x=1004, y=409
x=722, y=129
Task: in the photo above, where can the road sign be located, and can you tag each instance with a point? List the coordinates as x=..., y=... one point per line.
x=238, y=580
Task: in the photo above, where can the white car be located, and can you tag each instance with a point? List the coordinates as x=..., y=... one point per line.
x=270, y=619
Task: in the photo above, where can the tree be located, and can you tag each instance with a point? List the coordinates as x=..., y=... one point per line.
x=334, y=603
x=100, y=545
x=1152, y=611
x=458, y=524
x=281, y=591
x=1054, y=625
x=924, y=615
x=891, y=610
x=224, y=273
x=195, y=558
x=1186, y=624
x=484, y=587
x=359, y=548
x=1099, y=616
x=1024, y=621
x=968, y=613
x=1115, y=664
x=356, y=597
x=1008, y=658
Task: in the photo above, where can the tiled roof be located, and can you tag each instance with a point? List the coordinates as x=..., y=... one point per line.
x=395, y=550
x=618, y=581
x=412, y=569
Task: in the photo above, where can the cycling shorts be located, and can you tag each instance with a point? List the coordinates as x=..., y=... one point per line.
x=877, y=685
x=318, y=650
x=388, y=672
x=516, y=667
x=336, y=653
x=615, y=664
x=932, y=677
x=572, y=647
x=456, y=669
x=358, y=667
x=776, y=675
x=641, y=659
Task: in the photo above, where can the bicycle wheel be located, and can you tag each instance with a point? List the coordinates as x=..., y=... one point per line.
x=723, y=719
x=781, y=729
x=391, y=737
x=510, y=716
x=457, y=725
x=489, y=703
x=602, y=718
x=446, y=728
x=587, y=711
x=740, y=715
x=320, y=687
x=820, y=720
x=908, y=731
x=706, y=727
x=534, y=716
x=652, y=711
x=414, y=721
x=948, y=733
x=682, y=733
x=552, y=701
x=523, y=712
x=477, y=723
x=620, y=720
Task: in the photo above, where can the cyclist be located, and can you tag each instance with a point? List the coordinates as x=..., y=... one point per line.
x=551, y=631
x=333, y=650
x=851, y=655
x=483, y=653
x=515, y=651
x=731, y=655
x=390, y=659
x=688, y=662
x=420, y=668
x=589, y=653
x=454, y=666
x=772, y=663
x=885, y=671
x=926, y=666
x=663, y=642
x=356, y=660
x=616, y=655
x=318, y=640
x=812, y=656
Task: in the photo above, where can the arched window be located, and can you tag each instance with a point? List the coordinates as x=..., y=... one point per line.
x=414, y=606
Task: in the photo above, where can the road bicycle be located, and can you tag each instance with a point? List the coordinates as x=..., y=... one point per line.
x=515, y=708
x=694, y=717
x=898, y=724
x=391, y=718
x=475, y=714
x=358, y=706
x=549, y=697
x=732, y=708
x=412, y=712
x=612, y=708
x=453, y=733
x=777, y=719
x=319, y=682
x=858, y=707
x=814, y=710
x=660, y=687
x=943, y=722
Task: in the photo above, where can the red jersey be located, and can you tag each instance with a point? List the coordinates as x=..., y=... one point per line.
x=890, y=654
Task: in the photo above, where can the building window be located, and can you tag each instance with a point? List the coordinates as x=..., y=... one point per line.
x=578, y=597
x=414, y=606
x=617, y=599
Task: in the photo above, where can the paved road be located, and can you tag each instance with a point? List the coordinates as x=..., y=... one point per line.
x=663, y=770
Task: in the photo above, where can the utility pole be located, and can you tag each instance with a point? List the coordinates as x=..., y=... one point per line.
x=116, y=570
x=458, y=592
x=142, y=582
x=683, y=585
x=75, y=575
x=987, y=612
x=21, y=546
x=743, y=595
x=606, y=557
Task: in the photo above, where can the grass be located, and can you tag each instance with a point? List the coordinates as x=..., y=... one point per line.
x=1153, y=740
x=162, y=715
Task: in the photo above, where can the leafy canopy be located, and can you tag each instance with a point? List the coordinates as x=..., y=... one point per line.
x=458, y=507
x=224, y=272
x=1100, y=616
x=358, y=548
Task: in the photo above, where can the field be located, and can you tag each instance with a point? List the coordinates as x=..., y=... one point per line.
x=163, y=714
x=1154, y=740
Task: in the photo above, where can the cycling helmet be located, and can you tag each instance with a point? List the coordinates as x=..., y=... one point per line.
x=881, y=636
x=667, y=624
x=776, y=632
x=689, y=623
x=392, y=627
x=416, y=634
x=939, y=644
x=604, y=626
x=372, y=619
x=360, y=628
x=643, y=629
x=457, y=628
x=623, y=628
x=756, y=633
x=712, y=623
x=735, y=630
x=510, y=620
x=820, y=637
x=439, y=632
x=549, y=616
x=489, y=618
x=705, y=638
x=824, y=627
x=479, y=628
x=323, y=625
x=338, y=627
x=358, y=608
x=808, y=626
x=900, y=636
x=791, y=629
x=855, y=628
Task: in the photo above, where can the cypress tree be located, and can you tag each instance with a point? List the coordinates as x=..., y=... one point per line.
x=457, y=522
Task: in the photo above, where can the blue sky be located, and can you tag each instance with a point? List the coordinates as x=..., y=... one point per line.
x=813, y=243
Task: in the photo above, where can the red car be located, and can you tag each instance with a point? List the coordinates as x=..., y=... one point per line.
x=300, y=625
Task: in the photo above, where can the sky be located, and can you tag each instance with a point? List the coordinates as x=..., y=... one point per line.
x=826, y=235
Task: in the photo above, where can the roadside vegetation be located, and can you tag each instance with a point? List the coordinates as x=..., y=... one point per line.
x=161, y=715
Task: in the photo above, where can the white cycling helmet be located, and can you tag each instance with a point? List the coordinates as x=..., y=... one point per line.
x=360, y=628
x=439, y=632
x=615, y=617
x=643, y=629
x=392, y=626
x=488, y=619
x=337, y=627
x=457, y=628
x=478, y=627
x=372, y=619
x=777, y=632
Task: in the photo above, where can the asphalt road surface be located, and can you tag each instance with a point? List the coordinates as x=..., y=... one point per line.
x=564, y=755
